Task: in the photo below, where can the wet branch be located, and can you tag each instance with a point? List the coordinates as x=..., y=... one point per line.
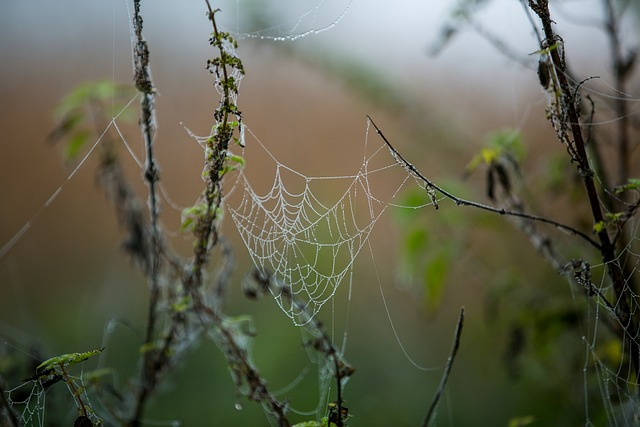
x=463, y=202
x=143, y=83
x=570, y=133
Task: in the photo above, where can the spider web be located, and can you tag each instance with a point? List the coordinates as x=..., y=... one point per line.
x=31, y=408
x=306, y=231
x=294, y=20
x=609, y=359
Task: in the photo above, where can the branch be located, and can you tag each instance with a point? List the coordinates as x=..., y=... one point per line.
x=566, y=112
x=447, y=369
x=143, y=83
x=463, y=202
x=217, y=144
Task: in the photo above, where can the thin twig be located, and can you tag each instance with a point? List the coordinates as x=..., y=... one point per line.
x=463, y=202
x=447, y=369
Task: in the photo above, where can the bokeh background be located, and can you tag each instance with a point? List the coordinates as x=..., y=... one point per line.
x=66, y=285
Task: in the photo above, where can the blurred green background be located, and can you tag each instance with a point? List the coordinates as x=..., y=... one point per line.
x=66, y=285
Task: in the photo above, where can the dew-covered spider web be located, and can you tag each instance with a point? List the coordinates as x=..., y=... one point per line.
x=307, y=231
x=292, y=21
x=29, y=399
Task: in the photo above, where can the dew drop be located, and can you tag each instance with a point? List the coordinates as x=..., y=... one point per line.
x=238, y=406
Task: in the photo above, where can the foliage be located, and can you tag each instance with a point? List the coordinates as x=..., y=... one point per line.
x=86, y=109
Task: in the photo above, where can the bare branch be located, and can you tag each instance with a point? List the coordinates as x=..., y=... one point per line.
x=142, y=80
x=463, y=202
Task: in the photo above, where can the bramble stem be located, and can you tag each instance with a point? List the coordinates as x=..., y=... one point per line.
x=144, y=84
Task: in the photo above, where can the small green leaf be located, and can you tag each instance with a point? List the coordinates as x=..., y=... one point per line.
x=191, y=215
x=181, y=305
x=309, y=424
x=149, y=346
x=75, y=144
x=612, y=218
x=235, y=158
x=521, y=421
x=599, y=226
x=506, y=144
x=66, y=360
x=632, y=184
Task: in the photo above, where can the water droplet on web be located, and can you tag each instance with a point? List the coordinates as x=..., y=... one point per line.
x=238, y=406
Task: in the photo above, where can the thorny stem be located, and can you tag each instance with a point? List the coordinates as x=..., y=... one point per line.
x=216, y=150
x=463, y=202
x=607, y=248
x=143, y=83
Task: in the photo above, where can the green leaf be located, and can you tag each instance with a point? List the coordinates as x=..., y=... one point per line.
x=65, y=361
x=632, y=184
x=149, y=346
x=435, y=274
x=181, y=305
x=104, y=92
x=521, y=421
x=508, y=141
x=599, y=226
x=236, y=159
x=506, y=144
x=76, y=144
x=191, y=215
x=309, y=424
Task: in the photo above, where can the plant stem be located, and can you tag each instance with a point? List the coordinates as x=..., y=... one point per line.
x=143, y=83
x=607, y=248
